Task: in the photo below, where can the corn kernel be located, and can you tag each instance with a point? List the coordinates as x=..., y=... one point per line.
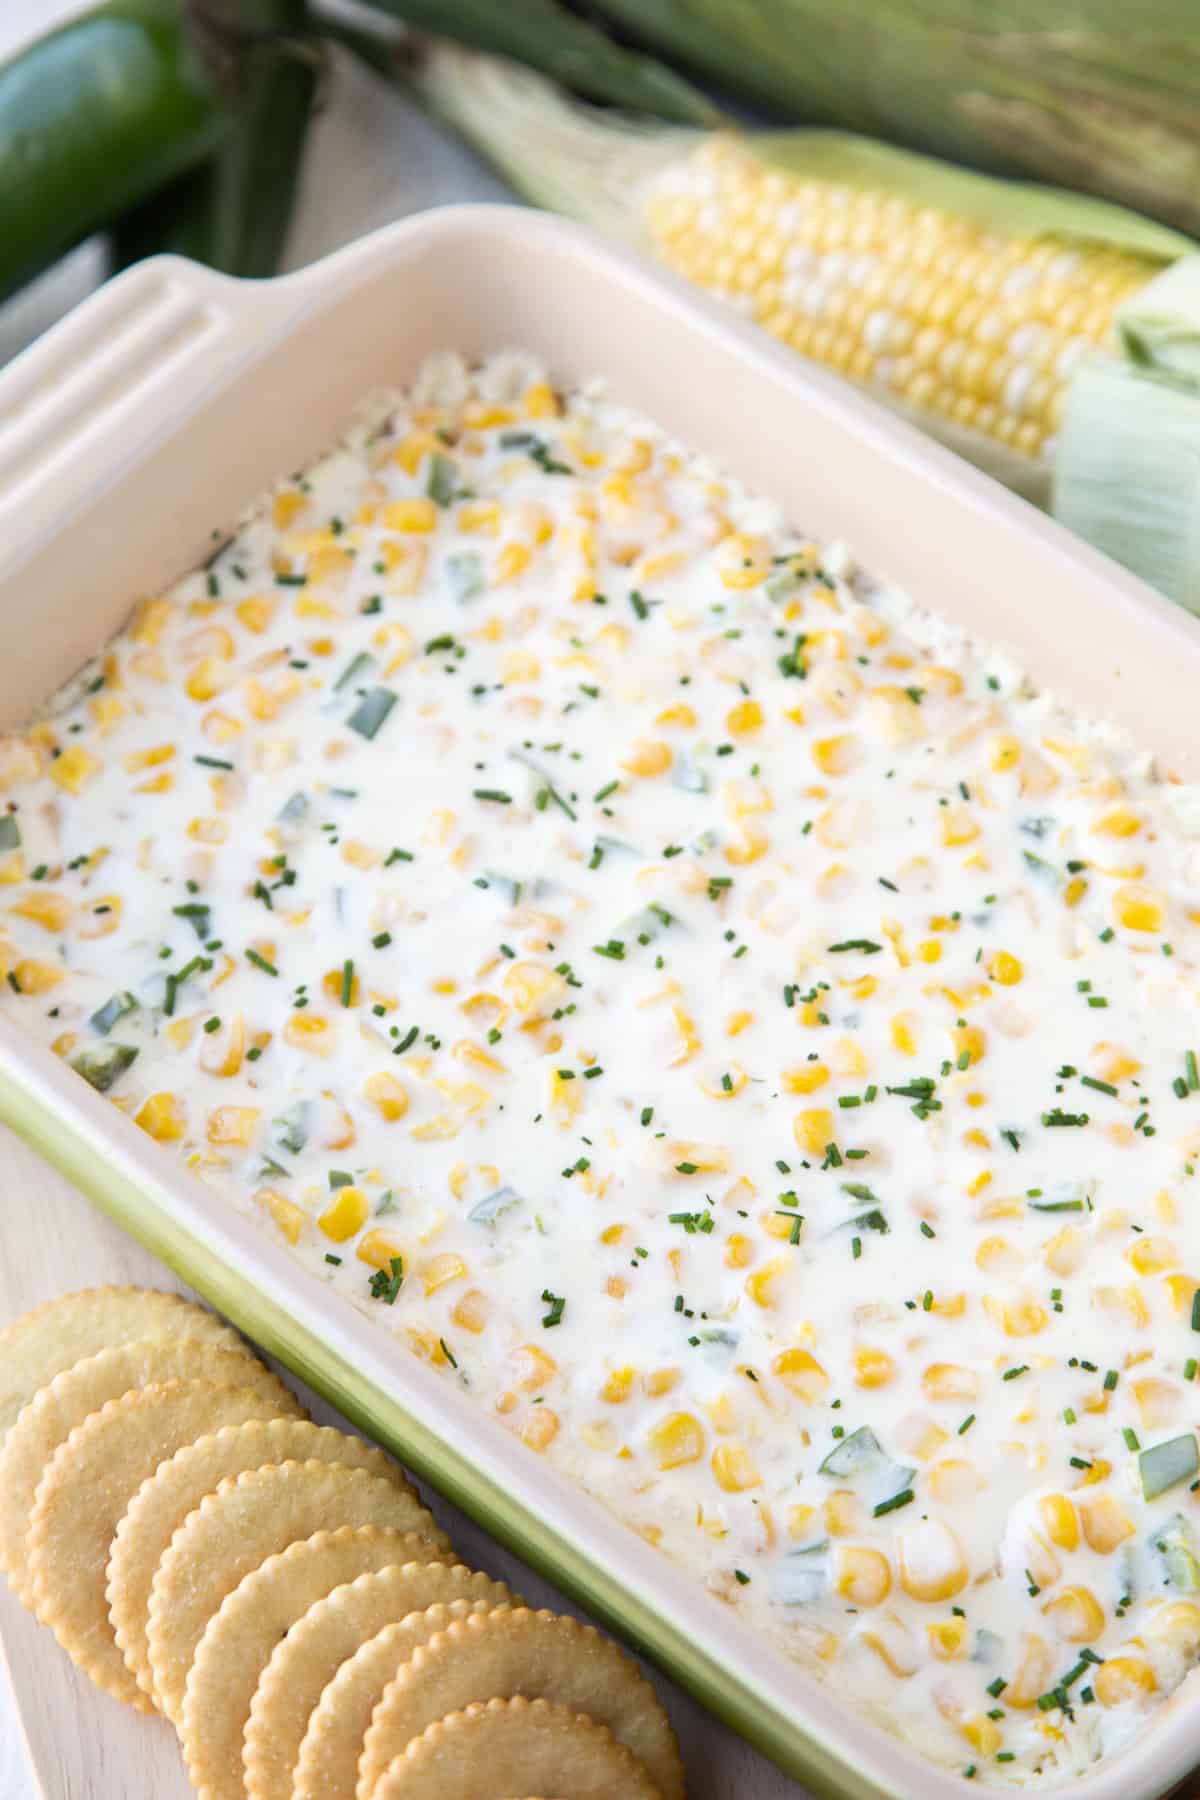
x=411, y=515
x=1177, y=1623
x=739, y=1251
x=861, y=1575
x=892, y=1642
x=843, y=1513
x=872, y=1368
x=289, y=1217
x=1105, y=1522
x=959, y=826
x=311, y=1032
x=1157, y=1401
x=441, y=1270
x=983, y=1734
x=379, y=1249
x=734, y=1468
x=744, y=719
x=49, y=910
x=1060, y=1520
x=1032, y=1674
x=932, y=1565
x=1120, y=1680
x=535, y=1368
x=647, y=757
x=1122, y=822
x=950, y=1381
x=1005, y=968
x=1151, y=1255
x=618, y=1386
x=677, y=1440
x=388, y=1096
x=233, y=1125
x=948, y=1638
x=540, y=1428
x=1017, y=1318
x=162, y=1117
x=806, y=1078
x=74, y=769
x=801, y=1374
x=1139, y=908
x=813, y=1129
x=835, y=755
x=1076, y=1614
x=1182, y=1290
x=345, y=1215
x=761, y=1285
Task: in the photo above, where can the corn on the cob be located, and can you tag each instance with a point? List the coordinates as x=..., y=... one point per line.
x=959, y=299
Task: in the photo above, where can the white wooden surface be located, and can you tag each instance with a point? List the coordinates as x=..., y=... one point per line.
x=373, y=158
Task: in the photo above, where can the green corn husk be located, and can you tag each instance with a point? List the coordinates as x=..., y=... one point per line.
x=1098, y=95
x=607, y=171
x=1127, y=472
x=271, y=74
x=549, y=37
x=1159, y=328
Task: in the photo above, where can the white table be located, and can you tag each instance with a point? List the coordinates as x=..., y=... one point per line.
x=373, y=158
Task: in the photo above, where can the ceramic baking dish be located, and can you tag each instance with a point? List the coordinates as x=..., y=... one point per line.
x=148, y=419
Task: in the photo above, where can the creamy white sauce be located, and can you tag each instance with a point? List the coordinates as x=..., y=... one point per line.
x=650, y=851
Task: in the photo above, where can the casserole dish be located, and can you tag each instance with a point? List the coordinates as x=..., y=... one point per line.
x=149, y=419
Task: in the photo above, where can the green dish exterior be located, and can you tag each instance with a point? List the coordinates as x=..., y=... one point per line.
x=384, y=1419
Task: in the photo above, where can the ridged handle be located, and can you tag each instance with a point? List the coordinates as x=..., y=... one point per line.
x=107, y=376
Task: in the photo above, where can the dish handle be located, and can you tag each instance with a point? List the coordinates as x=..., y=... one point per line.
x=78, y=399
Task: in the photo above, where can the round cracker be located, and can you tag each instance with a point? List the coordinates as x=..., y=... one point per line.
x=42, y=1343
x=328, y=1758
x=251, y=1622
x=57, y=1409
x=504, y=1746
x=163, y=1502
x=307, y=1660
x=248, y=1518
x=539, y=1655
x=85, y=1490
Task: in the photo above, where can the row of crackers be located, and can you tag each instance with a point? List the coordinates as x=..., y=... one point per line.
x=277, y=1589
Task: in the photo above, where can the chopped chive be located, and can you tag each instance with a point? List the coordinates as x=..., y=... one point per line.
x=897, y=1500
